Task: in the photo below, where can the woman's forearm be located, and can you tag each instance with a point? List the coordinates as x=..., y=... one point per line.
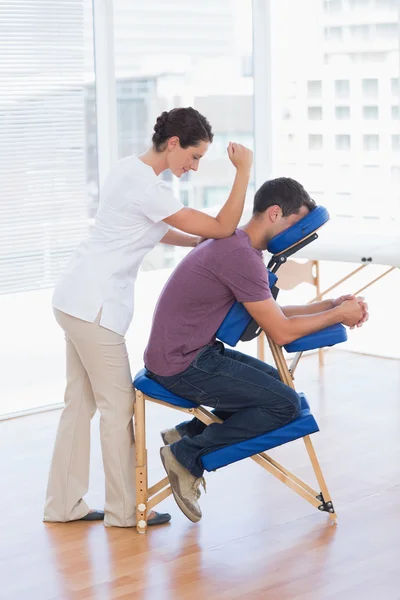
x=178, y=238
x=230, y=214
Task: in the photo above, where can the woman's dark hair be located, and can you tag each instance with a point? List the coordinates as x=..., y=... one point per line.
x=287, y=193
x=186, y=123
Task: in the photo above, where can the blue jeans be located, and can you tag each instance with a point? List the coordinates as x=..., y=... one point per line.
x=244, y=391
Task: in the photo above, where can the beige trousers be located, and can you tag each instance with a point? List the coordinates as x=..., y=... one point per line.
x=98, y=377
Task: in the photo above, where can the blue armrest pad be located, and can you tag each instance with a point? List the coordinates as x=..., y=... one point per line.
x=237, y=319
x=330, y=336
x=307, y=225
x=305, y=424
x=233, y=325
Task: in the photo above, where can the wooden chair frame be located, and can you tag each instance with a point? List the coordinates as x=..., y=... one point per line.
x=148, y=497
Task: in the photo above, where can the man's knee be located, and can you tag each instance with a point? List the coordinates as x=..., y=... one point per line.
x=283, y=409
x=294, y=402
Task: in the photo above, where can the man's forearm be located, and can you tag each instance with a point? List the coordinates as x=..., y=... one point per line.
x=307, y=309
x=299, y=325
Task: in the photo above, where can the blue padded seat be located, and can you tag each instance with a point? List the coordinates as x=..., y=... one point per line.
x=305, y=424
x=335, y=334
x=306, y=226
x=153, y=389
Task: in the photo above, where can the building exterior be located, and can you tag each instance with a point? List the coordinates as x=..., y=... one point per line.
x=340, y=118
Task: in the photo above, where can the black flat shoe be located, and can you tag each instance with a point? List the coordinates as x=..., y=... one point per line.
x=94, y=515
x=159, y=519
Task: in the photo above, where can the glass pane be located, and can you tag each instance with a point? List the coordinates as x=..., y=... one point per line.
x=170, y=55
x=48, y=170
x=340, y=59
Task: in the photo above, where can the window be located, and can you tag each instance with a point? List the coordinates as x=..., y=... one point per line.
x=314, y=89
x=315, y=113
x=315, y=142
x=221, y=141
x=341, y=176
x=359, y=4
x=370, y=88
x=396, y=142
x=135, y=95
x=317, y=196
x=342, y=142
x=196, y=57
x=342, y=112
x=387, y=4
x=368, y=57
x=342, y=88
x=184, y=197
x=49, y=185
x=354, y=81
x=313, y=176
x=343, y=205
x=371, y=142
x=387, y=31
x=395, y=173
x=247, y=66
x=333, y=6
x=360, y=32
x=370, y=174
x=370, y=112
x=333, y=34
x=165, y=56
x=215, y=196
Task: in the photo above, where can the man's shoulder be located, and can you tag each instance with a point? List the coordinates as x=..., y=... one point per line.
x=237, y=244
x=216, y=255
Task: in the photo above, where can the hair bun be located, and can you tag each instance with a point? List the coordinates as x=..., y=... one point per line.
x=161, y=122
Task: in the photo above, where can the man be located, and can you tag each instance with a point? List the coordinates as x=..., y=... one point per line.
x=183, y=356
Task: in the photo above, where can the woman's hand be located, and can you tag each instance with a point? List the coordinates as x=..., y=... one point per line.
x=240, y=156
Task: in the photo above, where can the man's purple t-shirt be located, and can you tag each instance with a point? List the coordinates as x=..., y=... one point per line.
x=197, y=298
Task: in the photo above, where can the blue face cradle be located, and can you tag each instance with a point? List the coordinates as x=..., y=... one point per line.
x=294, y=234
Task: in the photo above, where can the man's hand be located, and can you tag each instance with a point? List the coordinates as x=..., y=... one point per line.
x=362, y=304
x=365, y=316
x=338, y=301
x=351, y=312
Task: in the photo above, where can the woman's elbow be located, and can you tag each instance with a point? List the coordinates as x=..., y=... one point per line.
x=225, y=230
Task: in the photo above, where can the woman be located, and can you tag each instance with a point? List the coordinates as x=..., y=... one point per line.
x=93, y=303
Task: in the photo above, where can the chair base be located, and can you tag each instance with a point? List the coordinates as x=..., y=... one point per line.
x=148, y=497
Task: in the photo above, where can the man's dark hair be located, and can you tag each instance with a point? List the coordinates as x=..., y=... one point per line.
x=285, y=192
x=187, y=124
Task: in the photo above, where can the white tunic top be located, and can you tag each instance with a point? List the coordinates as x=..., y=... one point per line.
x=128, y=224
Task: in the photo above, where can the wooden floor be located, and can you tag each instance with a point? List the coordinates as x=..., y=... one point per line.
x=257, y=539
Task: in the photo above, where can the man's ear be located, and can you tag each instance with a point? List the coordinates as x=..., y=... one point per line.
x=274, y=212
